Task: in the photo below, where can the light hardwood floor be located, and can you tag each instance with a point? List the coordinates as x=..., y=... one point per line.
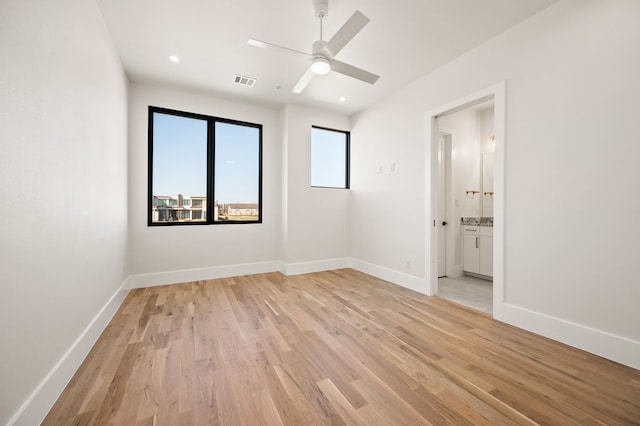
x=337, y=347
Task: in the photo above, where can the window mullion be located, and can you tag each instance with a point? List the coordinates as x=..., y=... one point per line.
x=211, y=137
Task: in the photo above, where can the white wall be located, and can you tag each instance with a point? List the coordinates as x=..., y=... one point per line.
x=487, y=133
x=387, y=207
x=316, y=228
x=466, y=161
x=180, y=253
x=571, y=145
x=486, y=117
x=465, y=173
x=63, y=174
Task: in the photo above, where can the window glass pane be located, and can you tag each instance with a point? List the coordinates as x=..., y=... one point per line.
x=237, y=173
x=328, y=158
x=179, y=165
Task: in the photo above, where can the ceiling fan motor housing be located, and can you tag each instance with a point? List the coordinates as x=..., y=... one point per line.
x=321, y=8
x=321, y=48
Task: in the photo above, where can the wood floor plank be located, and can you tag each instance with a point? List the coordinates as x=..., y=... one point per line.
x=268, y=412
x=331, y=348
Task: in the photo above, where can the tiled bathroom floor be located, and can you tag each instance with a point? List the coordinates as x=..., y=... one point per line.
x=473, y=292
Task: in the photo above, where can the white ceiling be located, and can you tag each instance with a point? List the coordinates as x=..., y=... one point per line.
x=405, y=40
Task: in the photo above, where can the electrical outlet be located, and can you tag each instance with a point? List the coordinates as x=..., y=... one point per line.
x=407, y=263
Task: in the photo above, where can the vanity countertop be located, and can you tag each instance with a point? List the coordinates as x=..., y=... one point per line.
x=477, y=221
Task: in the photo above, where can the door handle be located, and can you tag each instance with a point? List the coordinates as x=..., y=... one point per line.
x=444, y=223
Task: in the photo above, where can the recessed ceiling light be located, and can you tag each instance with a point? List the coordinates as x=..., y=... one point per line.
x=174, y=58
x=342, y=99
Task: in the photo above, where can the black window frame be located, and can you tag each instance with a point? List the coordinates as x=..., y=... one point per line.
x=210, y=200
x=347, y=165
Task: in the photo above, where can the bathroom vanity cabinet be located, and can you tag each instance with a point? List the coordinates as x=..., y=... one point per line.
x=478, y=249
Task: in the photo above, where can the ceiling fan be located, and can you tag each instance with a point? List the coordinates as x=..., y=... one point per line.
x=323, y=52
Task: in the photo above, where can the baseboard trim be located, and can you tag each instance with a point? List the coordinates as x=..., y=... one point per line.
x=616, y=348
x=200, y=274
x=37, y=406
x=400, y=278
x=315, y=266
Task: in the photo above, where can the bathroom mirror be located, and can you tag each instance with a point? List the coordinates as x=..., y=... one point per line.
x=487, y=184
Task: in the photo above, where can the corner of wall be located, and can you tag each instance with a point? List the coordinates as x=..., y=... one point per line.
x=36, y=407
x=314, y=266
x=399, y=278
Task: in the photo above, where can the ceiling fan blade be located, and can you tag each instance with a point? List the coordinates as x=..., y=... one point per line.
x=347, y=32
x=304, y=81
x=354, y=72
x=271, y=46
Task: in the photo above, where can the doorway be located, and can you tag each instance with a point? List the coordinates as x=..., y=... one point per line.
x=469, y=132
x=475, y=293
x=438, y=205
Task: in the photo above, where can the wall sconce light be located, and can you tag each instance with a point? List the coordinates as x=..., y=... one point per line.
x=492, y=138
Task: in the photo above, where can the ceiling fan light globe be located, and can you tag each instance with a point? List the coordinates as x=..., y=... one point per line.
x=320, y=66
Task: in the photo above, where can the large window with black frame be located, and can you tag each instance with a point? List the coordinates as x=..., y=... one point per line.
x=203, y=169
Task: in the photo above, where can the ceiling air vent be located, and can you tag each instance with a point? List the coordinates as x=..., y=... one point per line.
x=244, y=81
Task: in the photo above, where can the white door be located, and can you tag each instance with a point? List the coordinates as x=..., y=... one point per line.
x=441, y=220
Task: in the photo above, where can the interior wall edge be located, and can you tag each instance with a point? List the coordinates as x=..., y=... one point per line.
x=200, y=274
x=187, y=275
x=226, y=271
x=38, y=404
x=402, y=279
x=315, y=266
x=615, y=348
